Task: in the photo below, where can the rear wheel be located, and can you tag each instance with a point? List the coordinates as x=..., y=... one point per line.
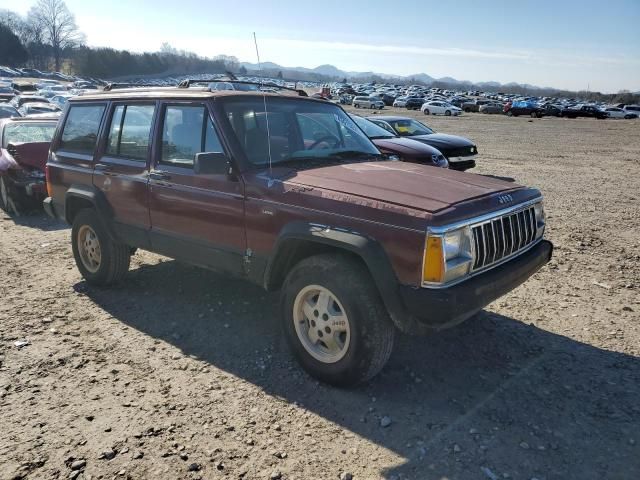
x=509, y=113
x=4, y=195
x=8, y=197
x=356, y=105
x=100, y=259
x=533, y=115
x=334, y=320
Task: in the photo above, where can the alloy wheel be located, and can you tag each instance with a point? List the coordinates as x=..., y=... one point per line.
x=89, y=248
x=321, y=324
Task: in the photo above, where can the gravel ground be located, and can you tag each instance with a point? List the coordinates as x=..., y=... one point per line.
x=179, y=373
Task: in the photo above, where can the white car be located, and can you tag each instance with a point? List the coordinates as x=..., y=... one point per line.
x=400, y=102
x=368, y=102
x=440, y=108
x=632, y=109
x=615, y=112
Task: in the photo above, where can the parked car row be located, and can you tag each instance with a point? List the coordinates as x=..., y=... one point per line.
x=436, y=101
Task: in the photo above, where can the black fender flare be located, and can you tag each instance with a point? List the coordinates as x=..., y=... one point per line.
x=95, y=197
x=363, y=246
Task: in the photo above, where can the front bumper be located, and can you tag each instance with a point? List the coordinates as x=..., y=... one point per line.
x=47, y=204
x=462, y=163
x=442, y=308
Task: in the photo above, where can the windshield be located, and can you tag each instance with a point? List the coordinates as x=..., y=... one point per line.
x=371, y=129
x=27, y=132
x=298, y=130
x=409, y=127
x=7, y=111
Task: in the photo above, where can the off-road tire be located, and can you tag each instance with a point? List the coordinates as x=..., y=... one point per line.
x=12, y=204
x=371, y=329
x=4, y=194
x=116, y=256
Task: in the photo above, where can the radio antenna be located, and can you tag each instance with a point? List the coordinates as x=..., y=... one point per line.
x=264, y=99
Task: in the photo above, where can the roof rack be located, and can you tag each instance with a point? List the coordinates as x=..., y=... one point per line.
x=191, y=81
x=110, y=86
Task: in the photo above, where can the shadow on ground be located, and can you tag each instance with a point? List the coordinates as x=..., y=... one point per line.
x=491, y=397
x=35, y=219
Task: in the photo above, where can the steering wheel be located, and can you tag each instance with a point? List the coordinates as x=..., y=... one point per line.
x=324, y=139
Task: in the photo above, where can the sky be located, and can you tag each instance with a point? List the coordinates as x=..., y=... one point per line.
x=572, y=44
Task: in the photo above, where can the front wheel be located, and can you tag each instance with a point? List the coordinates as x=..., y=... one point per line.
x=100, y=259
x=447, y=113
x=426, y=111
x=334, y=320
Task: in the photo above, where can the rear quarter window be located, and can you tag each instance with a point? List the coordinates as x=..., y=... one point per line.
x=81, y=127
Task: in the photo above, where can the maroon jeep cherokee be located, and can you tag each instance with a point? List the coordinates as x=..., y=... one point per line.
x=289, y=193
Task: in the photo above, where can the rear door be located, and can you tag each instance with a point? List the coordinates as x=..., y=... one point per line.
x=72, y=151
x=122, y=167
x=194, y=217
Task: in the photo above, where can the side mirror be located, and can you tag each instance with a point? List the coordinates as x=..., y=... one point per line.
x=211, y=163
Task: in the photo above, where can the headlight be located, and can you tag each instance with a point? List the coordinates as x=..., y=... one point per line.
x=447, y=256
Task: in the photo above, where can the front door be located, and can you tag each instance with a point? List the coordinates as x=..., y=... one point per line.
x=194, y=217
x=121, y=169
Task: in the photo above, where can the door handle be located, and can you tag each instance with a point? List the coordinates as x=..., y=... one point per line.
x=105, y=169
x=159, y=175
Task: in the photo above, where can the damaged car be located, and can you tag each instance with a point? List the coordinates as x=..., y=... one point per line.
x=23, y=155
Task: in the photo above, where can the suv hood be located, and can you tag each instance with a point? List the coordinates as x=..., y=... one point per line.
x=413, y=186
x=444, y=141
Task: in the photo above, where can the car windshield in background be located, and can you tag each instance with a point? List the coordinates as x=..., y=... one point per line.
x=6, y=89
x=306, y=133
x=7, y=111
x=410, y=128
x=28, y=132
x=372, y=130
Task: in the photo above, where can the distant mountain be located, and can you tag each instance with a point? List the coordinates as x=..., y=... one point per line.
x=335, y=73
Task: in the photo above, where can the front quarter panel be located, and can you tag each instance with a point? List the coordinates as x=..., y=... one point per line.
x=271, y=205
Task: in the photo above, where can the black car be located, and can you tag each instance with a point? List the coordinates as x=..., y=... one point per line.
x=414, y=103
x=459, y=151
x=552, y=110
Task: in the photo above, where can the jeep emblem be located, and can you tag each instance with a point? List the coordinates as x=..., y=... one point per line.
x=502, y=199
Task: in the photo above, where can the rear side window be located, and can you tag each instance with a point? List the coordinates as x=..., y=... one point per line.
x=187, y=130
x=81, y=128
x=129, y=131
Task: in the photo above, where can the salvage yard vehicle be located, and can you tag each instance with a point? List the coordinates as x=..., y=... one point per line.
x=368, y=102
x=440, y=108
x=615, y=112
x=405, y=149
x=514, y=109
x=288, y=192
x=491, y=108
x=460, y=152
x=24, y=145
x=588, y=111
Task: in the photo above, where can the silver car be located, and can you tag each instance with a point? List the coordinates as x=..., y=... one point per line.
x=368, y=102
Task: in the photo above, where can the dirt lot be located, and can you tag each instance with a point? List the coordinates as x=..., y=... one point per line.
x=181, y=373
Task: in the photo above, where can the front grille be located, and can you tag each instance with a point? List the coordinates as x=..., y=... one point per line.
x=504, y=236
x=461, y=151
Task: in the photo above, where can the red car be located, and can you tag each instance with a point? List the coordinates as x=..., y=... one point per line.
x=23, y=154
